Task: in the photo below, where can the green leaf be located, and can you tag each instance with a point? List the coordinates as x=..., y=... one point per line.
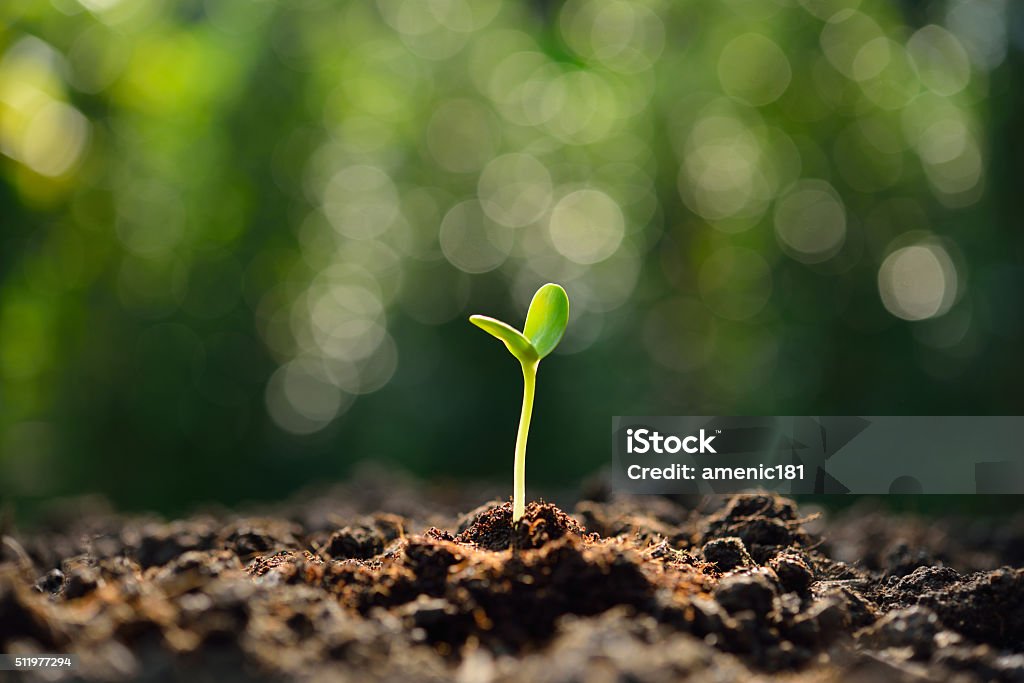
x=519, y=345
x=547, y=318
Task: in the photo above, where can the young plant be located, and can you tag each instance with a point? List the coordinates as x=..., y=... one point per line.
x=545, y=324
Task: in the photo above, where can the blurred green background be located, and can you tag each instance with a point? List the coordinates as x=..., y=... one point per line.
x=239, y=239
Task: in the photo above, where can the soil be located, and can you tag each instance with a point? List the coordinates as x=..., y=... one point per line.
x=332, y=588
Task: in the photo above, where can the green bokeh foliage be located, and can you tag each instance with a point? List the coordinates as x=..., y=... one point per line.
x=239, y=238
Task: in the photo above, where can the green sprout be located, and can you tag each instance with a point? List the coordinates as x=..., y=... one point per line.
x=545, y=324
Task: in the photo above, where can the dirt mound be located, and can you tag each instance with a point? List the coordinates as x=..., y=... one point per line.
x=492, y=527
x=648, y=590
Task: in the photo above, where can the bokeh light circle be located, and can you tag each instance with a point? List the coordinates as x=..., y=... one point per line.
x=471, y=241
x=300, y=400
x=515, y=189
x=918, y=282
x=810, y=221
x=360, y=201
x=754, y=69
x=586, y=226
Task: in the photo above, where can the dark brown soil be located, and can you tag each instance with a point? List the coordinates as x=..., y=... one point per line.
x=623, y=589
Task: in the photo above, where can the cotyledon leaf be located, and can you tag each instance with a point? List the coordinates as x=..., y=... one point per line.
x=519, y=345
x=547, y=318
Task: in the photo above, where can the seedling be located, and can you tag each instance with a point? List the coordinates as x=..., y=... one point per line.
x=545, y=324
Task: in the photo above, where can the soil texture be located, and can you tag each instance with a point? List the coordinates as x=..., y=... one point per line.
x=378, y=582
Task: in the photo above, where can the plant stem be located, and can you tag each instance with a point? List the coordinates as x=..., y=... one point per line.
x=519, y=475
